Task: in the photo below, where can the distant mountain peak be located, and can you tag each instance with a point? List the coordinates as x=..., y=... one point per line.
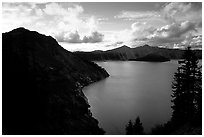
x=124, y=47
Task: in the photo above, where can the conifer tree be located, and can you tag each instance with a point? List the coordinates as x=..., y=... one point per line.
x=137, y=127
x=187, y=88
x=129, y=128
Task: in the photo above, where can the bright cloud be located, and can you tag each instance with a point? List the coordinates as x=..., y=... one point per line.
x=182, y=21
x=175, y=29
x=173, y=25
x=175, y=33
x=74, y=37
x=53, y=19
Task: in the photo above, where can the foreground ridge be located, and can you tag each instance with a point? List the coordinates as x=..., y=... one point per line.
x=42, y=86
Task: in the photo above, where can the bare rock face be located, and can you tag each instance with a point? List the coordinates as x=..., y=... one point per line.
x=42, y=86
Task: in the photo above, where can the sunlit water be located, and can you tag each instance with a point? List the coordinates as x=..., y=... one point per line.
x=133, y=89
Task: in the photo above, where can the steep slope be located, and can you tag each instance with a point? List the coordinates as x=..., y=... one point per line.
x=126, y=53
x=42, y=85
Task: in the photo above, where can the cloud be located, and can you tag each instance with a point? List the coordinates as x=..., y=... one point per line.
x=74, y=37
x=63, y=21
x=175, y=29
x=14, y=15
x=180, y=11
x=133, y=15
x=185, y=20
x=93, y=38
x=54, y=9
x=172, y=12
x=141, y=30
x=193, y=41
x=175, y=34
x=178, y=22
x=102, y=19
x=174, y=9
x=173, y=24
x=137, y=33
x=171, y=34
x=116, y=44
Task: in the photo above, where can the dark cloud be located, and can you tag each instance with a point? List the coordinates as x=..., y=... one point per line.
x=196, y=5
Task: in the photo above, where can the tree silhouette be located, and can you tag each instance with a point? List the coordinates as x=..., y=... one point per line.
x=187, y=89
x=136, y=128
x=129, y=128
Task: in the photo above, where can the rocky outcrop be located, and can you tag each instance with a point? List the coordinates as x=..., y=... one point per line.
x=42, y=86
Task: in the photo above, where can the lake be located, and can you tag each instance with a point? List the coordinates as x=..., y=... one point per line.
x=133, y=89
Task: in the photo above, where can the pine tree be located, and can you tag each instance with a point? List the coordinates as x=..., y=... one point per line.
x=198, y=98
x=137, y=127
x=187, y=89
x=129, y=128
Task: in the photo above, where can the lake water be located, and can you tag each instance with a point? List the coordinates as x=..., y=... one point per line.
x=133, y=89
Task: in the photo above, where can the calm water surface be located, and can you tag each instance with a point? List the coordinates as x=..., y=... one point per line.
x=133, y=89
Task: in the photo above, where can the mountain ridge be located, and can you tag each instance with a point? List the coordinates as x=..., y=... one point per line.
x=42, y=86
x=126, y=53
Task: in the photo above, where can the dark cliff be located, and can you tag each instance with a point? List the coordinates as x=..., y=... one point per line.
x=42, y=86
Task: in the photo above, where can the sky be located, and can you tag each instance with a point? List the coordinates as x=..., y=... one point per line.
x=88, y=26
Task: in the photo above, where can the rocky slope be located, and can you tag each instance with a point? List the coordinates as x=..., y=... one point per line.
x=42, y=86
